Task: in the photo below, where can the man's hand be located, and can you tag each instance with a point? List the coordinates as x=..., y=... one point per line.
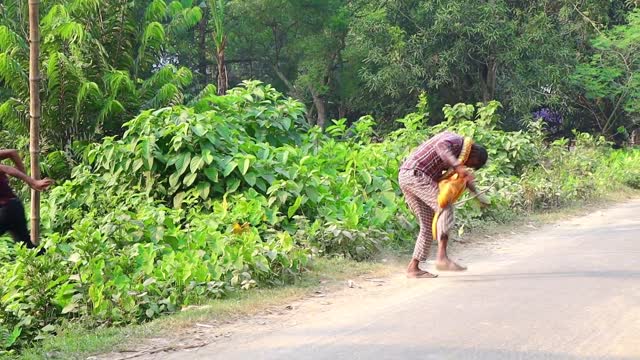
x=41, y=185
x=464, y=173
x=38, y=185
x=484, y=201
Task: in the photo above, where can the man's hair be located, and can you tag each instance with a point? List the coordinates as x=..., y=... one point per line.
x=480, y=154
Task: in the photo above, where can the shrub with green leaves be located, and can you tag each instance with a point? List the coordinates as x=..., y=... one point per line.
x=231, y=192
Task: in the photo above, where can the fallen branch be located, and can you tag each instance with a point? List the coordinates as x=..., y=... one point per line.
x=164, y=349
x=460, y=203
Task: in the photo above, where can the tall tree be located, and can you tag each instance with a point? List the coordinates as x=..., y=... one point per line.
x=464, y=50
x=217, y=11
x=609, y=83
x=298, y=47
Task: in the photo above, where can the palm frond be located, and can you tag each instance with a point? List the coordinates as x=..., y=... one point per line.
x=118, y=81
x=88, y=90
x=10, y=41
x=111, y=107
x=13, y=74
x=208, y=90
x=156, y=11
x=14, y=116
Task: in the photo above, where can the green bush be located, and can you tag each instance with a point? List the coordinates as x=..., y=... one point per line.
x=233, y=192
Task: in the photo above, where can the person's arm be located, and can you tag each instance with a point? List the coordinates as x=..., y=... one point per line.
x=443, y=149
x=14, y=155
x=480, y=196
x=39, y=185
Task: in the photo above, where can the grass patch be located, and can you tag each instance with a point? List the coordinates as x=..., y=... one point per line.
x=76, y=342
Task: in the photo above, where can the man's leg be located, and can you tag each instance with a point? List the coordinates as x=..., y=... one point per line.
x=424, y=214
x=413, y=190
x=18, y=226
x=445, y=223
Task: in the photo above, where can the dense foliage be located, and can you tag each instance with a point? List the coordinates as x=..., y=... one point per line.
x=173, y=190
x=228, y=193
x=103, y=62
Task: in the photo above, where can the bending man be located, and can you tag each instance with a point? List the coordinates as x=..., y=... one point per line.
x=436, y=159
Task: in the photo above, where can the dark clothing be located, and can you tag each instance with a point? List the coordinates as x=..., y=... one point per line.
x=6, y=193
x=12, y=217
x=13, y=221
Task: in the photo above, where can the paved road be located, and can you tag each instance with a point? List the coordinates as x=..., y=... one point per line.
x=565, y=291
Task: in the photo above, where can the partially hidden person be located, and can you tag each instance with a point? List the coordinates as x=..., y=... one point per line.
x=12, y=215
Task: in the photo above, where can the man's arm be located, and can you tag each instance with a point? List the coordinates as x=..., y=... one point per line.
x=443, y=149
x=14, y=156
x=33, y=183
x=480, y=196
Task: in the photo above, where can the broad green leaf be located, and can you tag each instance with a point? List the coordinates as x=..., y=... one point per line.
x=189, y=179
x=366, y=177
x=196, y=163
x=183, y=162
x=203, y=189
x=245, y=165
x=178, y=199
x=233, y=185
x=388, y=198
x=261, y=184
x=212, y=173
x=312, y=194
x=137, y=164
x=15, y=334
x=71, y=307
x=269, y=177
x=199, y=130
x=229, y=167
x=174, y=179
x=250, y=178
x=207, y=156
x=293, y=208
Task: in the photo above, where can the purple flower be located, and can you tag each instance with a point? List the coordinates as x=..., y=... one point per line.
x=552, y=118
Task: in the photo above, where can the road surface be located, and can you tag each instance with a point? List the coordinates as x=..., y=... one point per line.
x=564, y=291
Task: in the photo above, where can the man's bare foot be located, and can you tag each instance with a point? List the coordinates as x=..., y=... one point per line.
x=448, y=265
x=414, y=271
x=421, y=275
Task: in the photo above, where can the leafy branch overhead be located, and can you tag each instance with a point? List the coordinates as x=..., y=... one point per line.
x=100, y=68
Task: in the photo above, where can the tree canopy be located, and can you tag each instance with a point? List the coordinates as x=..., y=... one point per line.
x=104, y=62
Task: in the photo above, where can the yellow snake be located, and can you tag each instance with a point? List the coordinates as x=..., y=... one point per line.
x=451, y=186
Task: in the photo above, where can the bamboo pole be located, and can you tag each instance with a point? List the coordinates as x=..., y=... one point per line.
x=35, y=114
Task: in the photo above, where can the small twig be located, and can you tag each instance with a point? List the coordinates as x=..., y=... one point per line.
x=459, y=203
x=164, y=349
x=593, y=23
x=205, y=325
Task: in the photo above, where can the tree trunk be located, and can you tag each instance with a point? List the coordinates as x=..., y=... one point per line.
x=321, y=108
x=202, y=29
x=489, y=80
x=34, y=112
x=223, y=80
x=342, y=111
